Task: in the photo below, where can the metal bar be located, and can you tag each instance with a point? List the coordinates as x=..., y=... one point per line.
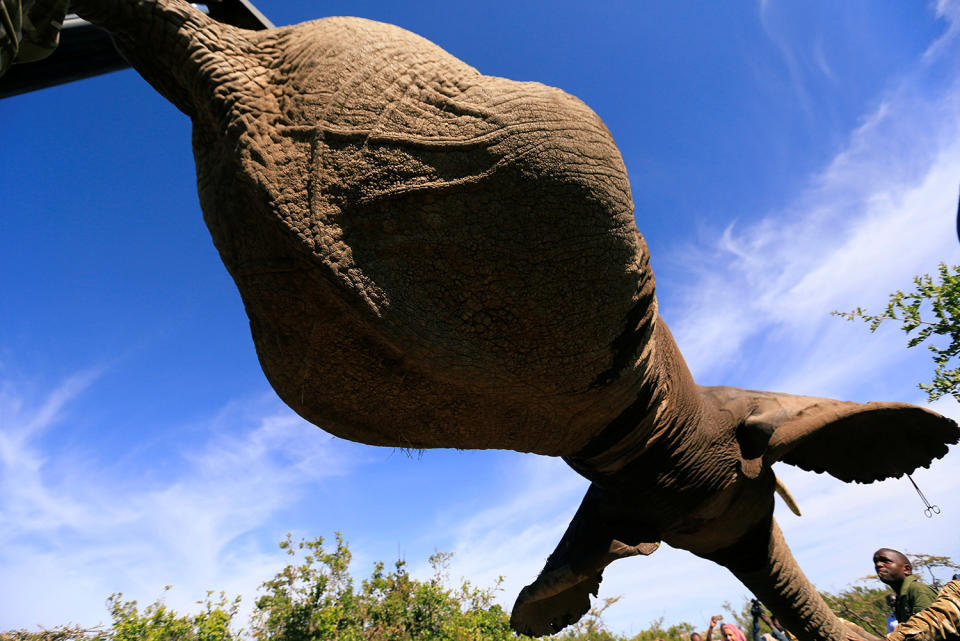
x=239, y=13
x=86, y=50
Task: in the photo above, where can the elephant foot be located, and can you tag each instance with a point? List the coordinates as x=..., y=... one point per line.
x=600, y=533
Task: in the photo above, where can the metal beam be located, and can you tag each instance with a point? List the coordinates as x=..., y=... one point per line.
x=86, y=51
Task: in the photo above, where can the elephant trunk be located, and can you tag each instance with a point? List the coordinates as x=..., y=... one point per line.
x=780, y=584
x=175, y=47
x=657, y=423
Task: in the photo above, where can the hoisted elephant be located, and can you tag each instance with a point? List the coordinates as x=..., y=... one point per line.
x=431, y=257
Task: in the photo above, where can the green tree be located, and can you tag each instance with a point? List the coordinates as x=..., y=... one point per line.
x=675, y=632
x=865, y=606
x=156, y=622
x=933, y=309
x=59, y=633
x=929, y=562
x=743, y=619
x=314, y=599
x=592, y=627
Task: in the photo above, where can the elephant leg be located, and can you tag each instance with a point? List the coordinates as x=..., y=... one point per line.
x=763, y=562
x=602, y=531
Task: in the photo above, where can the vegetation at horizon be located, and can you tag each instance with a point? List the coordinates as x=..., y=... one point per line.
x=315, y=598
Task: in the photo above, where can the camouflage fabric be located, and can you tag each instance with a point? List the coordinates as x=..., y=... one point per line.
x=939, y=622
x=29, y=29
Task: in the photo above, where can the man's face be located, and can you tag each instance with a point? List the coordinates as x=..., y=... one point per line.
x=890, y=566
x=696, y=637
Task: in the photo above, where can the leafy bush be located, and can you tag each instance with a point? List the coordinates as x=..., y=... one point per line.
x=592, y=628
x=936, y=298
x=313, y=598
x=157, y=622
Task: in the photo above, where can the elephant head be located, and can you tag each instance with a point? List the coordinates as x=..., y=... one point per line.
x=431, y=257
x=715, y=496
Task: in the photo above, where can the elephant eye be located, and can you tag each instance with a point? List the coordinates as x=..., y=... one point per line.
x=753, y=436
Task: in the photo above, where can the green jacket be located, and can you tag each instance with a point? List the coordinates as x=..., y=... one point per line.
x=912, y=597
x=939, y=622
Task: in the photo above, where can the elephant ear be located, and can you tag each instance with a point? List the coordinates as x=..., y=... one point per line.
x=862, y=442
x=601, y=532
x=854, y=442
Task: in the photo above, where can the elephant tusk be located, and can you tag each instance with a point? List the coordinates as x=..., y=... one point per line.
x=787, y=498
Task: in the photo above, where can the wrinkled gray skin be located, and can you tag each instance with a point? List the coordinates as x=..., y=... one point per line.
x=430, y=257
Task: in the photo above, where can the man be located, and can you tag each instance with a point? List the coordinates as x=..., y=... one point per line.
x=939, y=622
x=894, y=569
x=892, y=617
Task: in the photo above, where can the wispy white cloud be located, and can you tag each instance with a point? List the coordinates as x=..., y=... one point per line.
x=756, y=308
x=71, y=534
x=514, y=533
x=820, y=59
x=27, y=499
x=882, y=211
x=879, y=213
x=843, y=524
x=791, y=60
x=948, y=10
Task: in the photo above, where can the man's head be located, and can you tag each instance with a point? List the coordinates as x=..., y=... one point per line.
x=892, y=567
x=891, y=600
x=696, y=637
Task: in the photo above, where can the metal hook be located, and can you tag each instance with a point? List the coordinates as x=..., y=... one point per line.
x=931, y=509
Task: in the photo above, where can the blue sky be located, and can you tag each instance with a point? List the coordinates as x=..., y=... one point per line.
x=786, y=159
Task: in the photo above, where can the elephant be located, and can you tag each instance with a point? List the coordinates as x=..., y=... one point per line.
x=430, y=257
